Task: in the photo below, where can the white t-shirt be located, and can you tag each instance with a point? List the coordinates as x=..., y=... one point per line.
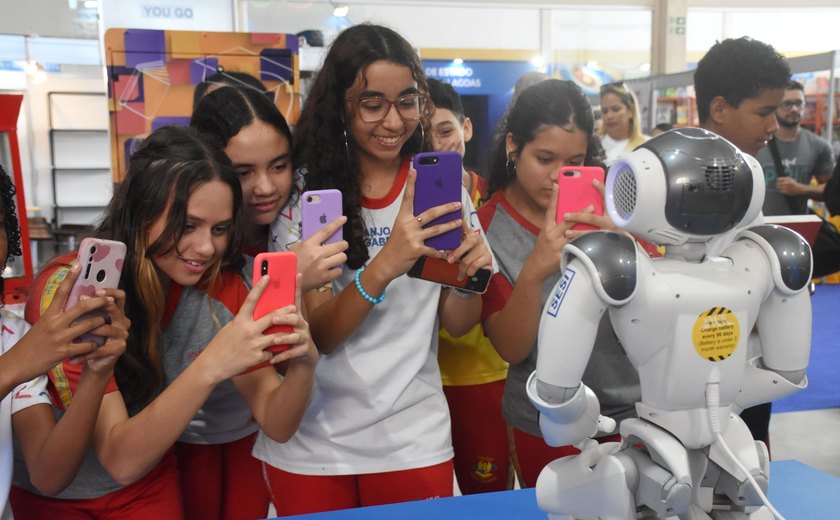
x=613, y=148
x=23, y=396
x=377, y=404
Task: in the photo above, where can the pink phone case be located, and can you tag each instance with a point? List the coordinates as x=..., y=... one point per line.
x=281, y=267
x=101, y=262
x=438, y=182
x=318, y=208
x=576, y=192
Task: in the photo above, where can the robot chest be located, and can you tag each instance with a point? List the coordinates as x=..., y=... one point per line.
x=692, y=318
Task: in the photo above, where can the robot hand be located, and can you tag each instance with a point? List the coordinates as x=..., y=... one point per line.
x=570, y=422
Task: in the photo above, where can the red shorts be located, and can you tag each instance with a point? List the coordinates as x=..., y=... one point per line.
x=531, y=454
x=479, y=437
x=294, y=494
x=222, y=481
x=156, y=495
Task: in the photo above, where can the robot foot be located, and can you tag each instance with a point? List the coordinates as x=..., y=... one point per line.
x=759, y=514
x=586, y=486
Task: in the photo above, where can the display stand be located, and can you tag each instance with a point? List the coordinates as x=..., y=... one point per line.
x=17, y=283
x=81, y=162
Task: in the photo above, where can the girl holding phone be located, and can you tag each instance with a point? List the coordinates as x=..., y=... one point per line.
x=257, y=140
x=549, y=126
x=53, y=449
x=195, y=368
x=377, y=429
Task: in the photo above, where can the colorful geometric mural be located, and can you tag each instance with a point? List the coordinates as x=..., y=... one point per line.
x=152, y=75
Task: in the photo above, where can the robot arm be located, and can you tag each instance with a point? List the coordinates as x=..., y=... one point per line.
x=602, y=272
x=784, y=319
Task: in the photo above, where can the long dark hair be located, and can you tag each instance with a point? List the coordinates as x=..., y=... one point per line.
x=162, y=174
x=10, y=223
x=322, y=144
x=552, y=102
x=223, y=113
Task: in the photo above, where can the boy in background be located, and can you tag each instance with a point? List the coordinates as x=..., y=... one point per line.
x=473, y=374
x=739, y=85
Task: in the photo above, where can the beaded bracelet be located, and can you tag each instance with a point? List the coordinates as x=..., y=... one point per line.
x=362, y=290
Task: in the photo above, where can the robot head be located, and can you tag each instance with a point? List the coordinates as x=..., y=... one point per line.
x=684, y=185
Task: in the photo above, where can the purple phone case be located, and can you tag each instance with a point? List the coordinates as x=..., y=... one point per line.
x=315, y=214
x=101, y=262
x=437, y=184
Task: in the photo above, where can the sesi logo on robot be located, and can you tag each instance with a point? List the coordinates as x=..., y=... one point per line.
x=560, y=293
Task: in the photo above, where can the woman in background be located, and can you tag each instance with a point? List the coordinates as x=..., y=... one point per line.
x=621, y=128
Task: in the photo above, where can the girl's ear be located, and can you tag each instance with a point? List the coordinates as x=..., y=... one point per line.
x=510, y=144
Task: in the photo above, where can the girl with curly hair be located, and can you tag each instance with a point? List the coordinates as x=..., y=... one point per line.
x=377, y=428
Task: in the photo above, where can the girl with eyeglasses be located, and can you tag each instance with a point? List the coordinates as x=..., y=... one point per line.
x=621, y=128
x=377, y=428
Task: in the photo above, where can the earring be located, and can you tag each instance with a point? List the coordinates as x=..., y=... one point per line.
x=346, y=144
x=510, y=166
x=422, y=137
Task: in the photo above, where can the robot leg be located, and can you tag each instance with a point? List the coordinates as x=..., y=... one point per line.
x=590, y=485
x=732, y=483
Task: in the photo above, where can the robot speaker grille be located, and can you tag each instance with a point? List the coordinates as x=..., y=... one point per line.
x=624, y=192
x=719, y=178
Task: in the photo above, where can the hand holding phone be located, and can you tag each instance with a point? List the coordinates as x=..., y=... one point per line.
x=319, y=208
x=440, y=271
x=575, y=191
x=281, y=268
x=101, y=264
x=438, y=182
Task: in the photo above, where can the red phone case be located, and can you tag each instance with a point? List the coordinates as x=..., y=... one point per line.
x=576, y=192
x=281, y=267
x=440, y=271
x=319, y=208
x=438, y=182
x=101, y=262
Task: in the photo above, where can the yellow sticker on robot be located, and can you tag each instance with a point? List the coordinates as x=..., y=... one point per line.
x=716, y=333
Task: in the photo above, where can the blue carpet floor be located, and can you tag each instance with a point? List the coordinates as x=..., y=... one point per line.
x=824, y=368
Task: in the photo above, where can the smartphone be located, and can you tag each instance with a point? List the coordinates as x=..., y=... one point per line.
x=318, y=208
x=101, y=264
x=440, y=271
x=438, y=182
x=281, y=267
x=576, y=192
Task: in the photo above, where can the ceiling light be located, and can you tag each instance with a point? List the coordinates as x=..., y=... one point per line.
x=341, y=10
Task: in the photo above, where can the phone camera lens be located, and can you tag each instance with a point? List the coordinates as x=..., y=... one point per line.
x=92, y=249
x=100, y=276
x=309, y=199
x=264, y=268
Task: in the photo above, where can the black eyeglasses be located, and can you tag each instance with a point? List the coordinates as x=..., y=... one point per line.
x=375, y=109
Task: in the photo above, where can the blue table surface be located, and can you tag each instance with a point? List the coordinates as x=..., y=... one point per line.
x=797, y=491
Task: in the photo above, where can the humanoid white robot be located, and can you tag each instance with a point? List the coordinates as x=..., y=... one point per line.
x=685, y=321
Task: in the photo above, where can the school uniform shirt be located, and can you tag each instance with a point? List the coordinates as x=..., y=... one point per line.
x=285, y=230
x=470, y=359
x=12, y=328
x=191, y=320
x=377, y=404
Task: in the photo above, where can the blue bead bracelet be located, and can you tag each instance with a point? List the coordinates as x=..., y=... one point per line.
x=362, y=290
